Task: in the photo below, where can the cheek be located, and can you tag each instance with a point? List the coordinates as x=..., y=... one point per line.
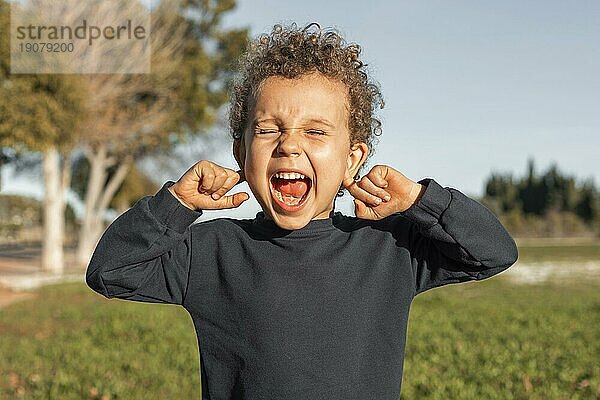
x=331, y=167
x=256, y=166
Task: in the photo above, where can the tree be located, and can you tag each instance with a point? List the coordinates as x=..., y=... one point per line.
x=43, y=113
x=135, y=185
x=532, y=192
x=554, y=201
x=40, y=113
x=138, y=116
x=503, y=188
x=116, y=119
x=588, y=206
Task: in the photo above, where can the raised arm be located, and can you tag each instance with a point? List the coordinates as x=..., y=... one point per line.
x=144, y=254
x=451, y=237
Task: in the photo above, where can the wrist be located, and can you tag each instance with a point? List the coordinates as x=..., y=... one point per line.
x=174, y=193
x=416, y=192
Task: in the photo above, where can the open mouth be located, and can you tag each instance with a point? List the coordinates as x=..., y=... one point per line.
x=290, y=190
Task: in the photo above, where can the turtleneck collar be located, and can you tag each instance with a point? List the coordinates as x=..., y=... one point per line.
x=314, y=226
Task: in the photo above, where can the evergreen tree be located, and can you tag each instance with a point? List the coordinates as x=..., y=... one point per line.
x=544, y=201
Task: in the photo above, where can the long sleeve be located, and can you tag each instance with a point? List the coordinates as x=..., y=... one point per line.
x=144, y=255
x=454, y=238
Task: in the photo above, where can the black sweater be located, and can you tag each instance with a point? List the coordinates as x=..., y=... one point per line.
x=315, y=313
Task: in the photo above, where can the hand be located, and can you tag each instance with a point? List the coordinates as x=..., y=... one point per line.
x=203, y=187
x=382, y=192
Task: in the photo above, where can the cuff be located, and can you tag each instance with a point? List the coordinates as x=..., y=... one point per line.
x=430, y=207
x=170, y=212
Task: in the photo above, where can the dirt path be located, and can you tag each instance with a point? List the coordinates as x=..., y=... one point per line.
x=22, y=262
x=8, y=296
x=533, y=273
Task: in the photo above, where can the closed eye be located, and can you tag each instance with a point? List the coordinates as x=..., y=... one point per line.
x=315, y=132
x=265, y=131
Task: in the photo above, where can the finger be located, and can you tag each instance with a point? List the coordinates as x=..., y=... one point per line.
x=377, y=175
x=359, y=193
x=364, y=211
x=361, y=210
x=231, y=181
x=221, y=177
x=375, y=190
x=348, y=181
x=207, y=175
x=242, y=175
x=232, y=201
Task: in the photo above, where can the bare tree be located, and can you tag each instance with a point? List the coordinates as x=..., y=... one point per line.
x=122, y=117
x=130, y=116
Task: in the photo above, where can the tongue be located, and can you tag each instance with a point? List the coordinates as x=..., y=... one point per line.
x=291, y=187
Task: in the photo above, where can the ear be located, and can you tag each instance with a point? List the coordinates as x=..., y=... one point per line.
x=239, y=152
x=356, y=158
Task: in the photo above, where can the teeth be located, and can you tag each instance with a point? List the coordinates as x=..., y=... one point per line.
x=289, y=175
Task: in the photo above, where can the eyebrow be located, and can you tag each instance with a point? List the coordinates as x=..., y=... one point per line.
x=322, y=121
x=277, y=120
x=260, y=120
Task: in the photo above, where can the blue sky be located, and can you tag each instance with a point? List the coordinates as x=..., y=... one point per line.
x=471, y=87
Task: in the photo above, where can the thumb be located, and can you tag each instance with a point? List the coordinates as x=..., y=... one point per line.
x=232, y=201
x=360, y=209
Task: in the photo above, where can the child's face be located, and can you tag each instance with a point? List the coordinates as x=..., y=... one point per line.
x=299, y=125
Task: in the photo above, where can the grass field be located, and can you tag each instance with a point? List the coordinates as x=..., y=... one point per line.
x=486, y=340
x=544, y=251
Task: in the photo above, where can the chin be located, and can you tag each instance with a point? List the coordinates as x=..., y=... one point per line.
x=290, y=222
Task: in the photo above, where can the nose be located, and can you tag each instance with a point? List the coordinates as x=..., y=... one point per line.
x=289, y=144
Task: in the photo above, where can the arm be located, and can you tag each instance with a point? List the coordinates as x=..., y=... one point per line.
x=144, y=254
x=453, y=238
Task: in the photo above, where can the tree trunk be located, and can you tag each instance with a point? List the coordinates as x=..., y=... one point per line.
x=54, y=206
x=98, y=195
x=66, y=184
x=1, y=168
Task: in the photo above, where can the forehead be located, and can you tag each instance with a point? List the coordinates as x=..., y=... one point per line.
x=309, y=97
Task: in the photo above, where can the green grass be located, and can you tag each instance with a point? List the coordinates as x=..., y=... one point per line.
x=486, y=340
x=576, y=252
x=71, y=343
x=493, y=340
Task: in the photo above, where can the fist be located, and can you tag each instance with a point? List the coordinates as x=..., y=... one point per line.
x=382, y=192
x=203, y=187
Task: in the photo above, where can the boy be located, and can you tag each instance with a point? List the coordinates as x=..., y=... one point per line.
x=300, y=302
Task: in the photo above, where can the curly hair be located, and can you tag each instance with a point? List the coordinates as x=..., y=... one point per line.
x=292, y=52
